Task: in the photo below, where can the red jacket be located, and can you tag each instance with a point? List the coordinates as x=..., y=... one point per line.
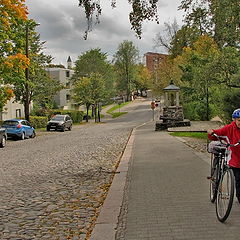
x=233, y=133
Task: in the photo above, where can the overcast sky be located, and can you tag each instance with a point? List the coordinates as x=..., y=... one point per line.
x=62, y=26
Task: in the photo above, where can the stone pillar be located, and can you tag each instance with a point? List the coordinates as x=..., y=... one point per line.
x=177, y=98
x=166, y=99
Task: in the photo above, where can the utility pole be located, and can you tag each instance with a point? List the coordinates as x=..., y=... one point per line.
x=26, y=100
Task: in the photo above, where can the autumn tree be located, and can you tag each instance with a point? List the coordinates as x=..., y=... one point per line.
x=167, y=71
x=125, y=59
x=12, y=13
x=141, y=11
x=198, y=77
x=142, y=80
x=31, y=82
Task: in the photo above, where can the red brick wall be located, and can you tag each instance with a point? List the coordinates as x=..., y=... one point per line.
x=153, y=60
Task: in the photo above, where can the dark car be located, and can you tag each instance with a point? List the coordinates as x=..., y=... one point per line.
x=3, y=137
x=60, y=122
x=19, y=128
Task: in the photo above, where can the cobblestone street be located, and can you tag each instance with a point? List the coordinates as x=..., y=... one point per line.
x=51, y=187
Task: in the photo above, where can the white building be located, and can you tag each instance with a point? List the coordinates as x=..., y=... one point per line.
x=12, y=109
x=63, y=75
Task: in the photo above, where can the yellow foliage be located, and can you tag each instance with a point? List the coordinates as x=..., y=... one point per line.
x=18, y=60
x=9, y=93
x=11, y=10
x=205, y=47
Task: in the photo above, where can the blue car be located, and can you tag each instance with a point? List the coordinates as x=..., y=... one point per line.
x=19, y=128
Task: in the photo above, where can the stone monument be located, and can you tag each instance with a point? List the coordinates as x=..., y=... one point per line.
x=172, y=115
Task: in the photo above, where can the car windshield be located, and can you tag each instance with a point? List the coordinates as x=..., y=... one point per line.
x=10, y=123
x=58, y=118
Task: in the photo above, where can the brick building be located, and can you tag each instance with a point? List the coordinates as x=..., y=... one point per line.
x=153, y=60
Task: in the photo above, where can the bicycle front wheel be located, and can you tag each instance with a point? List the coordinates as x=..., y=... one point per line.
x=225, y=194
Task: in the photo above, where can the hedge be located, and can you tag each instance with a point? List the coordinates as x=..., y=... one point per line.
x=38, y=122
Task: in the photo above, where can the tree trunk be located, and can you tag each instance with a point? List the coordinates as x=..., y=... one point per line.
x=98, y=113
x=26, y=109
x=95, y=112
x=87, y=106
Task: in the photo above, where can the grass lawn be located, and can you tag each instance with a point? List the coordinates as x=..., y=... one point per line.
x=117, y=114
x=117, y=107
x=201, y=135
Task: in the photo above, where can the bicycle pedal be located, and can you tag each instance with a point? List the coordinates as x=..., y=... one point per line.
x=209, y=177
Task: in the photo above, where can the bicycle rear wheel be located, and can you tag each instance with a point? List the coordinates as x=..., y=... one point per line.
x=213, y=178
x=225, y=194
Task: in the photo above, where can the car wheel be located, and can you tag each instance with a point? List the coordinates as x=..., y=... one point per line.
x=33, y=135
x=48, y=129
x=63, y=129
x=70, y=128
x=22, y=136
x=3, y=142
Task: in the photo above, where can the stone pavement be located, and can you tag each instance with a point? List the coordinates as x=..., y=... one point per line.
x=163, y=194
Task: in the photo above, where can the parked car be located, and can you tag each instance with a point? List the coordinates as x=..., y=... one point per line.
x=19, y=128
x=3, y=137
x=60, y=122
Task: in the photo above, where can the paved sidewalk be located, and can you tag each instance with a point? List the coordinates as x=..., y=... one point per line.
x=167, y=195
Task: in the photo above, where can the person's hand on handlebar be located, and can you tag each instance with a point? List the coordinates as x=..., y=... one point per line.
x=210, y=131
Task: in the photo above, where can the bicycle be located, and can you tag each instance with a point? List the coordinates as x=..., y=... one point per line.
x=222, y=178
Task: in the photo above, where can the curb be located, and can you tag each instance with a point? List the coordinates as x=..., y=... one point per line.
x=106, y=224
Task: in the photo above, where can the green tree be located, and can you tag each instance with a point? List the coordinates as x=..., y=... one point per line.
x=95, y=61
x=126, y=59
x=227, y=67
x=184, y=37
x=32, y=83
x=218, y=18
x=82, y=93
x=197, y=75
x=90, y=91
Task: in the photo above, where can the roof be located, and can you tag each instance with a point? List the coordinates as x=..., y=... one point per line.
x=171, y=87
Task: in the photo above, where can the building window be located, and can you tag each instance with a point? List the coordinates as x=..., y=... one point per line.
x=68, y=97
x=68, y=85
x=18, y=113
x=67, y=74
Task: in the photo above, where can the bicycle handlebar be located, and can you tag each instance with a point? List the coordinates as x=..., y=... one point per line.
x=228, y=144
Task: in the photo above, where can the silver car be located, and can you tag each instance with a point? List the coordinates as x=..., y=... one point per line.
x=60, y=122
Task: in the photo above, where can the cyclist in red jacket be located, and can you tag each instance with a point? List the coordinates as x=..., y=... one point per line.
x=232, y=131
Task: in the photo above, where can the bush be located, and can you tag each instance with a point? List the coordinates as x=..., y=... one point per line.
x=231, y=102
x=38, y=122
x=196, y=111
